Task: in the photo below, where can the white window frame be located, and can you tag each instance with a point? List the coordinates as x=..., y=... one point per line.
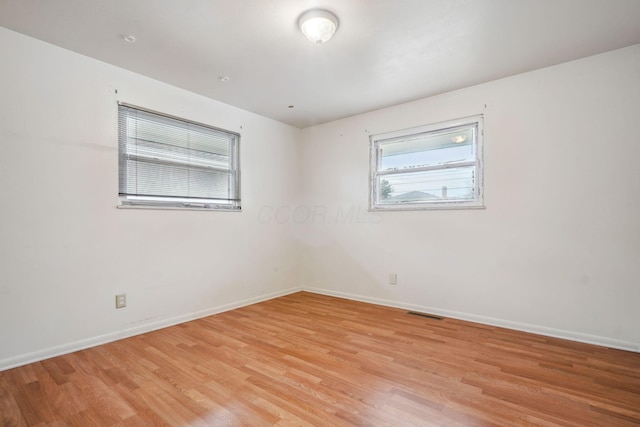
x=376, y=141
x=129, y=200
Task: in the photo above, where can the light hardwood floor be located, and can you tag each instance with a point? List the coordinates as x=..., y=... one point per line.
x=307, y=359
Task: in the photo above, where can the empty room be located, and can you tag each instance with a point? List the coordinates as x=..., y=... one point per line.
x=320, y=213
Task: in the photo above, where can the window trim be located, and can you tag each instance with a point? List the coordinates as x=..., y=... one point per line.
x=182, y=203
x=374, y=159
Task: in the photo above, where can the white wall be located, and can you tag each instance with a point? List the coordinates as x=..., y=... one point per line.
x=66, y=251
x=557, y=249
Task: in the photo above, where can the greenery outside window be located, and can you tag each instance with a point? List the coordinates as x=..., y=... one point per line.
x=437, y=166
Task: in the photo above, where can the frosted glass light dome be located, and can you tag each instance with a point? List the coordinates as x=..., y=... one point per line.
x=318, y=25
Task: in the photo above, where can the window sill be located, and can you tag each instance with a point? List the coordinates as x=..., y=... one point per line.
x=439, y=207
x=175, y=208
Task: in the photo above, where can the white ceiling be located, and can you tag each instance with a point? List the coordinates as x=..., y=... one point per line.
x=385, y=52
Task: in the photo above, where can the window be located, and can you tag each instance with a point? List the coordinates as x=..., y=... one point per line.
x=169, y=162
x=431, y=167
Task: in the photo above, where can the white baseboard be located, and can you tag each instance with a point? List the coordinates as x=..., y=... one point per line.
x=47, y=353
x=525, y=327
x=59, y=350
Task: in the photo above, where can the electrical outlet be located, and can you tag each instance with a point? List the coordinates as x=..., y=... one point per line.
x=121, y=300
x=393, y=279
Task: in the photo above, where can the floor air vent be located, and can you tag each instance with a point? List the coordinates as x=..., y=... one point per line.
x=429, y=316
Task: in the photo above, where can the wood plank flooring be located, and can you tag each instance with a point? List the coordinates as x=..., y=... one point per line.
x=313, y=360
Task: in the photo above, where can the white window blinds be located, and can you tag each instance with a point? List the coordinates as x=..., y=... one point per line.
x=170, y=162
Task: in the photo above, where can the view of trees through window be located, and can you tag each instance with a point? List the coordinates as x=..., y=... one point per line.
x=428, y=167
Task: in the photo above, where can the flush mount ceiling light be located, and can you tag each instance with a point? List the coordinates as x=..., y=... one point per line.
x=318, y=25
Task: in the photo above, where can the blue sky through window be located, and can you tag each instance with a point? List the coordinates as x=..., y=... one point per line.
x=459, y=182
